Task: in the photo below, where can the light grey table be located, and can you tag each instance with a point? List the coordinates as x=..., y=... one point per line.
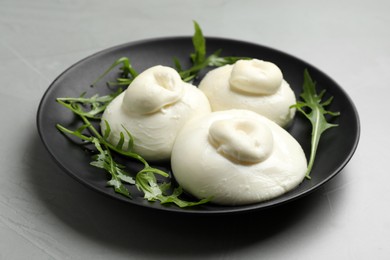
x=45, y=214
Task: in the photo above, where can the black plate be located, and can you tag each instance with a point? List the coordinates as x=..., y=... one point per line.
x=336, y=147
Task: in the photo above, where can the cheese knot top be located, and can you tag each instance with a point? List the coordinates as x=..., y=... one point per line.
x=255, y=77
x=241, y=140
x=153, y=90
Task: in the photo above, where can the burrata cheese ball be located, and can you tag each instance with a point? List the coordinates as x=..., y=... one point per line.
x=153, y=108
x=255, y=85
x=237, y=157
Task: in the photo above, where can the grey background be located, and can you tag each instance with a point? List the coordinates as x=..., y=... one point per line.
x=45, y=214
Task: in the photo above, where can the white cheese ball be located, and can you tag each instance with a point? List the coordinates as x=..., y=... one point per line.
x=237, y=157
x=255, y=85
x=153, y=109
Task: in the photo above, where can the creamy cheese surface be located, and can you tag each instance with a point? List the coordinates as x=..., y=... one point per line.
x=255, y=85
x=153, y=109
x=237, y=157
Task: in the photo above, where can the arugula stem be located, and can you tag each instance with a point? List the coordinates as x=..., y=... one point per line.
x=110, y=146
x=67, y=131
x=128, y=71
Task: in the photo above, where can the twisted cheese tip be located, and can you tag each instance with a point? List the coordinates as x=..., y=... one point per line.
x=253, y=85
x=153, y=109
x=153, y=90
x=236, y=157
x=242, y=140
x=255, y=77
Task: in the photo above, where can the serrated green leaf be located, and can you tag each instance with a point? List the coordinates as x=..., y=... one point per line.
x=119, y=187
x=199, y=43
x=314, y=110
x=107, y=130
x=88, y=107
x=147, y=182
x=199, y=58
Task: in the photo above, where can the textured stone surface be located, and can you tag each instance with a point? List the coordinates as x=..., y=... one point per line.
x=45, y=214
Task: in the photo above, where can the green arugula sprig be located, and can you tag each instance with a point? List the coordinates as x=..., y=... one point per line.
x=200, y=60
x=126, y=77
x=316, y=114
x=145, y=180
x=97, y=103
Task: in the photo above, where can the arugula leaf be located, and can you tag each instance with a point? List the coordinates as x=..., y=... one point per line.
x=146, y=181
x=200, y=60
x=127, y=76
x=97, y=104
x=315, y=114
x=199, y=43
x=105, y=161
